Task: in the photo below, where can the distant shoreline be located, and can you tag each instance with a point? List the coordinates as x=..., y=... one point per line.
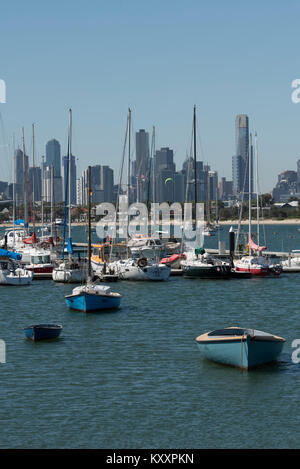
x=289, y=221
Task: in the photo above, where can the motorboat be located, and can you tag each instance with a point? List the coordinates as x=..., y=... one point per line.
x=37, y=260
x=240, y=347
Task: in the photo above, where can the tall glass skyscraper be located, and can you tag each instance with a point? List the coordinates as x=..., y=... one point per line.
x=240, y=165
x=142, y=163
x=53, y=157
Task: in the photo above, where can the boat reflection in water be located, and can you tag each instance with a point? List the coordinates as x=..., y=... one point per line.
x=240, y=347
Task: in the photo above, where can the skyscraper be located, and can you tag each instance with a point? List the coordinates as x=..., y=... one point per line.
x=53, y=157
x=240, y=162
x=20, y=165
x=73, y=177
x=107, y=183
x=142, y=163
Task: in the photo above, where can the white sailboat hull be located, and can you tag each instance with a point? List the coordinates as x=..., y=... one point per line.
x=17, y=278
x=67, y=275
x=130, y=271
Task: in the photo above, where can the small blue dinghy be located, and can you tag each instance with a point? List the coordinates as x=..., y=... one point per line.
x=43, y=331
x=240, y=347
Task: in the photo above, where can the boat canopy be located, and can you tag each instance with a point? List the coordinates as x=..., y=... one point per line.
x=11, y=255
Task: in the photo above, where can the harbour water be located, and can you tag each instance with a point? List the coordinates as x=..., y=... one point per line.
x=134, y=378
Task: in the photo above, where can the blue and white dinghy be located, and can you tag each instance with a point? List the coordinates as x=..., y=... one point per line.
x=240, y=347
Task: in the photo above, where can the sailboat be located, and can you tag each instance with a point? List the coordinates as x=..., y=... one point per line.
x=198, y=263
x=92, y=297
x=69, y=270
x=255, y=263
x=142, y=262
x=10, y=272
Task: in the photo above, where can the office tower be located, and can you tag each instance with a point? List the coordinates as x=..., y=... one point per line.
x=240, y=164
x=107, y=183
x=213, y=191
x=225, y=189
x=65, y=162
x=57, y=186
x=142, y=164
x=35, y=183
x=21, y=175
x=53, y=157
x=188, y=169
x=164, y=175
x=179, y=189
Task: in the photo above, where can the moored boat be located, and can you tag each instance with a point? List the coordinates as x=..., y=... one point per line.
x=240, y=347
x=92, y=297
x=43, y=331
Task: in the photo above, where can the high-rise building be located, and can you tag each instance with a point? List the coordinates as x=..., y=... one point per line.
x=35, y=183
x=164, y=175
x=107, y=183
x=240, y=161
x=142, y=164
x=65, y=162
x=20, y=165
x=225, y=189
x=53, y=156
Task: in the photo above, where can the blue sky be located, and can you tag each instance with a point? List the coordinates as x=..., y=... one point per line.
x=160, y=58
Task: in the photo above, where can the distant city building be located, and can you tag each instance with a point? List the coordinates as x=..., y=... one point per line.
x=142, y=168
x=225, y=189
x=20, y=165
x=53, y=156
x=35, y=183
x=65, y=162
x=240, y=163
x=107, y=183
x=164, y=175
x=287, y=186
x=52, y=186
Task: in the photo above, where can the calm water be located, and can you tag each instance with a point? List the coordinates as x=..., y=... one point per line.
x=134, y=378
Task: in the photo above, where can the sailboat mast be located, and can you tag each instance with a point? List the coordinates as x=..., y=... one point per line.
x=69, y=162
x=14, y=187
x=33, y=180
x=89, y=225
x=153, y=166
x=257, y=193
x=129, y=162
x=250, y=188
x=24, y=180
x=51, y=199
x=43, y=195
x=195, y=160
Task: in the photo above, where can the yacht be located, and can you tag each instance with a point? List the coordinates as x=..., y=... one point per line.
x=10, y=272
x=200, y=264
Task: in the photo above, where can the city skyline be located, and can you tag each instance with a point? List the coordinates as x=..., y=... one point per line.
x=168, y=60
